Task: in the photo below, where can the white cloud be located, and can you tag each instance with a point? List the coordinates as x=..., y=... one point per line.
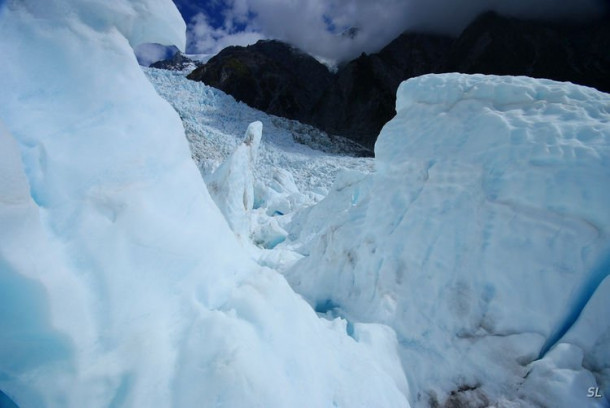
x=202, y=38
x=304, y=23
x=149, y=53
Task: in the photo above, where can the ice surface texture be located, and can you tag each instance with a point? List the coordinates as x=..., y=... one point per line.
x=479, y=239
x=120, y=282
x=215, y=122
x=232, y=184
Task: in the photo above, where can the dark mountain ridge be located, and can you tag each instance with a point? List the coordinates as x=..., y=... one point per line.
x=357, y=100
x=270, y=76
x=578, y=53
x=362, y=97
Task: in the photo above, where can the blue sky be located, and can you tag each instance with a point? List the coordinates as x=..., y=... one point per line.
x=212, y=9
x=315, y=25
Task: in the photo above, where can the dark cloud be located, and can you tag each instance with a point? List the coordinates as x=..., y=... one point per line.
x=316, y=25
x=452, y=16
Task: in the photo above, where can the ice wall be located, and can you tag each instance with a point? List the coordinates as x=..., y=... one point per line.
x=478, y=238
x=121, y=283
x=232, y=184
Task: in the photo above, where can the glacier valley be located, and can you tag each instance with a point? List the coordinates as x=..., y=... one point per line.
x=162, y=245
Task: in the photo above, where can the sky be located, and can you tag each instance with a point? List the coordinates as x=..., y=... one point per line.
x=315, y=26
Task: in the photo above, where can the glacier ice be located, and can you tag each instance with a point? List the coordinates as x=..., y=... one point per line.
x=232, y=184
x=469, y=268
x=215, y=122
x=590, y=333
x=122, y=284
x=476, y=238
x=289, y=174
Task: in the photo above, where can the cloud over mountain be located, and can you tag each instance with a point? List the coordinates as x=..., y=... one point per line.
x=316, y=25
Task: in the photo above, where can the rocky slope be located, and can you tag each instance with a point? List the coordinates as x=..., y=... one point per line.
x=362, y=97
x=271, y=76
x=493, y=44
x=359, y=98
x=179, y=62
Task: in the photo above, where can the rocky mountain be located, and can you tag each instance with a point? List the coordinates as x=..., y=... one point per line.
x=493, y=44
x=355, y=102
x=269, y=75
x=359, y=98
x=362, y=97
x=179, y=62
